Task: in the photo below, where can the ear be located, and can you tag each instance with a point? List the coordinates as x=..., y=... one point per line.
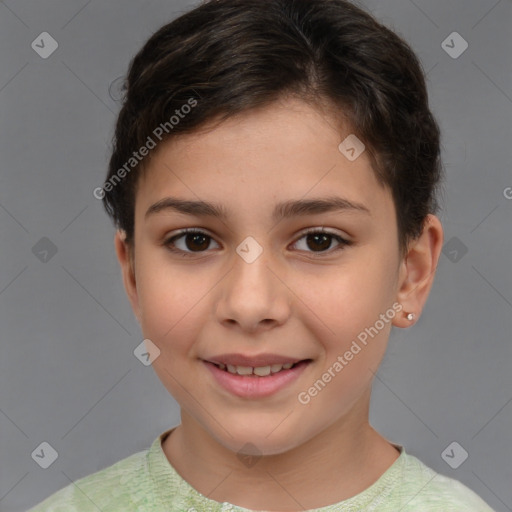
x=126, y=260
x=417, y=271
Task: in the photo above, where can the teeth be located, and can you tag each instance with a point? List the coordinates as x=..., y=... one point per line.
x=260, y=371
x=243, y=370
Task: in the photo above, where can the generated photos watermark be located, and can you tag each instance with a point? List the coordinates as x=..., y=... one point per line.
x=304, y=397
x=158, y=134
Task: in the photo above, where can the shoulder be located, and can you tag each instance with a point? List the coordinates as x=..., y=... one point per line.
x=425, y=490
x=121, y=486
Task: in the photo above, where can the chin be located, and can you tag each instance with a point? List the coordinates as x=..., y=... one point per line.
x=258, y=440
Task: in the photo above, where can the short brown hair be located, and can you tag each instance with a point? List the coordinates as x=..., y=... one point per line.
x=232, y=56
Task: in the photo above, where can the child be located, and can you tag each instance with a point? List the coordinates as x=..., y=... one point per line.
x=265, y=129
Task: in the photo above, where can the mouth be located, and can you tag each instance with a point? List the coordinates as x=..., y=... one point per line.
x=255, y=378
x=257, y=371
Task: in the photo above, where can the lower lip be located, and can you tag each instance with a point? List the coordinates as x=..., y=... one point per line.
x=252, y=386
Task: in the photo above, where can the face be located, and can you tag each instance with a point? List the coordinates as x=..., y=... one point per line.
x=259, y=289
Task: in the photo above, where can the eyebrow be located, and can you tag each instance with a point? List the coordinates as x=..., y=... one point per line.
x=286, y=209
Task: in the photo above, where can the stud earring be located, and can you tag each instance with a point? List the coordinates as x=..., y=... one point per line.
x=410, y=316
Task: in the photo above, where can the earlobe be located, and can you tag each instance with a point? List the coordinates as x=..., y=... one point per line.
x=126, y=262
x=418, y=270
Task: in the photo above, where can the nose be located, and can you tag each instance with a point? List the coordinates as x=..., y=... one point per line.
x=254, y=296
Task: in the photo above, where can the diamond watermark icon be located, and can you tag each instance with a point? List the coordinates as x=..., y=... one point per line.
x=454, y=455
x=454, y=249
x=249, y=455
x=454, y=45
x=44, y=250
x=45, y=455
x=249, y=249
x=146, y=352
x=351, y=147
x=44, y=45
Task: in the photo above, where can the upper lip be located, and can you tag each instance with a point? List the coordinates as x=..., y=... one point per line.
x=253, y=361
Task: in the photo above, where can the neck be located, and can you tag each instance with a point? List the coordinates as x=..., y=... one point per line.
x=338, y=463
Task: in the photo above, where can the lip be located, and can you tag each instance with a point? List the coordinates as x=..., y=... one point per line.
x=254, y=361
x=253, y=386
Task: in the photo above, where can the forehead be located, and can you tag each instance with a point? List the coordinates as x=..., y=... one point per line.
x=288, y=150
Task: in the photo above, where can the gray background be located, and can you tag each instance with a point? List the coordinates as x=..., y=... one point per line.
x=68, y=375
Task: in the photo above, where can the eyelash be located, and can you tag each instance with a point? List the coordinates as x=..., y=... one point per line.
x=169, y=243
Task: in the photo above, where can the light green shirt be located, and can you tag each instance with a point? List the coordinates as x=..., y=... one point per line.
x=147, y=482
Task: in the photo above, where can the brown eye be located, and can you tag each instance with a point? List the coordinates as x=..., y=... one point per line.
x=190, y=241
x=193, y=241
x=197, y=241
x=319, y=241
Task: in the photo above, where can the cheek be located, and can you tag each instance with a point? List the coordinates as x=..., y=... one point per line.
x=344, y=313
x=343, y=300
x=172, y=312
x=172, y=302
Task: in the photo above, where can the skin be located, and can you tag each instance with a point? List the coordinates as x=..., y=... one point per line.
x=299, y=299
